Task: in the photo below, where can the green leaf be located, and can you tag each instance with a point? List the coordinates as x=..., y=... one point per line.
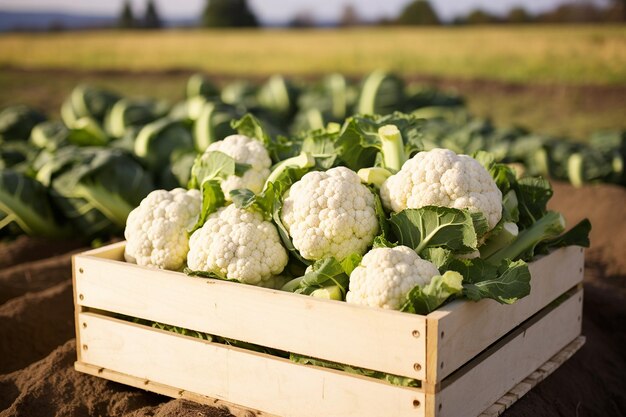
x=156, y=142
x=440, y=257
x=423, y=300
x=183, y=331
x=576, y=236
x=95, y=188
x=26, y=202
x=481, y=226
x=323, y=273
x=473, y=270
x=212, y=199
x=210, y=166
x=242, y=198
x=241, y=168
x=510, y=283
x=385, y=228
x=532, y=195
x=391, y=379
x=434, y=226
x=207, y=274
x=252, y=127
x=359, y=144
x=381, y=242
x=351, y=262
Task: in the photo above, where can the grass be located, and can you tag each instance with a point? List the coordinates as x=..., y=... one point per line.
x=576, y=55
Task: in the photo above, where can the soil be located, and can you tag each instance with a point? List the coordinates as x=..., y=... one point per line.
x=37, y=348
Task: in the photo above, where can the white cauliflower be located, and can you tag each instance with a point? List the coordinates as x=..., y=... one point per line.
x=386, y=275
x=157, y=231
x=442, y=178
x=330, y=214
x=244, y=150
x=238, y=244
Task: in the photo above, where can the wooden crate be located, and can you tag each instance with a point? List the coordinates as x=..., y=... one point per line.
x=467, y=355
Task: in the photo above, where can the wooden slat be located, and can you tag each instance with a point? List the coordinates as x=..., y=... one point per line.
x=494, y=372
x=274, y=385
x=383, y=340
x=459, y=331
x=77, y=309
x=114, y=251
x=167, y=390
x=532, y=380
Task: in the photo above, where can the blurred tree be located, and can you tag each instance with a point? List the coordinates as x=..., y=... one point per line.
x=228, y=13
x=480, y=17
x=616, y=12
x=302, y=19
x=579, y=12
x=349, y=16
x=518, y=15
x=151, y=19
x=126, y=19
x=418, y=12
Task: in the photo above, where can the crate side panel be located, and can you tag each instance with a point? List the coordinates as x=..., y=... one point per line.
x=468, y=328
x=259, y=381
x=505, y=365
x=235, y=410
x=388, y=341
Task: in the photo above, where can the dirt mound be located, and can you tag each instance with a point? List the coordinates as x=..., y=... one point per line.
x=37, y=318
x=26, y=249
x=51, y=387
x=35, y=324
x=34, y=276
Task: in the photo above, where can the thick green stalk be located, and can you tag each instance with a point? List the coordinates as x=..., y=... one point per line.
x=292, y=285
x=374, y=176
x=508, y=234
x=304, y=160
x=551, y=225
x=393, y=147
x=332, y=292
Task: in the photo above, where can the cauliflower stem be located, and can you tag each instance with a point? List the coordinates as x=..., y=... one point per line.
x=392, y=147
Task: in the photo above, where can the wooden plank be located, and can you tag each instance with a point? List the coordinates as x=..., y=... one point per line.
x=503, y=366
x=114, y=251
x=509, y=399
x=274, y=385
x=388, y=341
x=459, y=331
x=77, y=309
x=167, y=390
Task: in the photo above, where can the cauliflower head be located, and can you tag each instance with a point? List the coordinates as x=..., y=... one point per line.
x=244, y=150
x=442, y=178
x=156, y=231
x=386, y=275
x=330, y=214
x=238, y=244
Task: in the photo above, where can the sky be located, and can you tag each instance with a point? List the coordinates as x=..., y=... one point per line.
x=277, y=10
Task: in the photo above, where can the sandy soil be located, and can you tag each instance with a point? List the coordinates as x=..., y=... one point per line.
x=37, y=348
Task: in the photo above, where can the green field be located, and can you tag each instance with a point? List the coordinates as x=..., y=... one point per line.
x=539, y=54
